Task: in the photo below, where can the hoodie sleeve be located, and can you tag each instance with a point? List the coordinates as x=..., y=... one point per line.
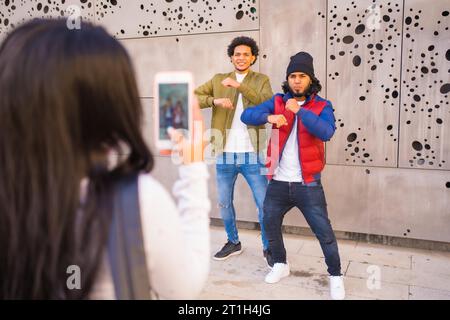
x=323, y=125
x=257, y=115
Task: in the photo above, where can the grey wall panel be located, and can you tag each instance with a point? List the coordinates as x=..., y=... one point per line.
x=383, y=201
x=152, y=55
x=147, y=130
x=363, y=193
x=364, y=59
x=136, y=18
x=409, y=203
x=204, y=55
x=425, y=109
x=15, y=12
x=288, y=27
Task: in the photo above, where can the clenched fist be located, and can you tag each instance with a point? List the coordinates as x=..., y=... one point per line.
x=292, y=105
x=223, y=102
x=277, y=119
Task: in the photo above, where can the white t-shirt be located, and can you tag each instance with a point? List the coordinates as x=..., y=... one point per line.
x=238, y=139
x=176, y=237
x=289, y=168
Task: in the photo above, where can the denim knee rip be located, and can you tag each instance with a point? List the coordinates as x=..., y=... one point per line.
x=223, y=206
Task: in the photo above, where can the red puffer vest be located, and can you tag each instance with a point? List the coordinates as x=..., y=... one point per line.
x=310, y=148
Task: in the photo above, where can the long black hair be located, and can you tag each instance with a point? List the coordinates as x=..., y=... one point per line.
x=66, y=98
x=314, y=88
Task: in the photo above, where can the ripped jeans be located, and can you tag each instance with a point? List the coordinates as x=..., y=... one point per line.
x=228, y=166
x=310, y=199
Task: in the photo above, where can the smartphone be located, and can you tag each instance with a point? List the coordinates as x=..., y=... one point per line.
x=173, y=92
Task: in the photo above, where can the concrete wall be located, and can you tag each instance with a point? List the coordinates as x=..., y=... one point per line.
x=384, y=65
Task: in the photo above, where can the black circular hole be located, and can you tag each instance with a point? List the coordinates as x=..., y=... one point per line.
x=417, y=146
x=351, y=137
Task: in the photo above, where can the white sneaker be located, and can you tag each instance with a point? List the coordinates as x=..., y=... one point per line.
x=279, y=271
x=337, y=290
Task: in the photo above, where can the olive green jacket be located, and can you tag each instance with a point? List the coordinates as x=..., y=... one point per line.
x=255, y=89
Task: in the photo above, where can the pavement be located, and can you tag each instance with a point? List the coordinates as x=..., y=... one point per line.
x=371, y=271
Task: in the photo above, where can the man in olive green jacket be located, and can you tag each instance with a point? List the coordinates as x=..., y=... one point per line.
x=239, y=148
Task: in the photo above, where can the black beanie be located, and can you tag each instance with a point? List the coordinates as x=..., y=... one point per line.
x=301, y=62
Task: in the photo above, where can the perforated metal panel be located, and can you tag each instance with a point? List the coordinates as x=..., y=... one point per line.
x=364, y=59
x=136, y=18
x=425, y=109
x=15, y=12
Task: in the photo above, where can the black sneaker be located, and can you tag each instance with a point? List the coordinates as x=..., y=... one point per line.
x=268, y=257
x=229, y=249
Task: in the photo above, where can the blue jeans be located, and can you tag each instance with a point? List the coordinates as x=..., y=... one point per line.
x=228, y=166
x=310, y=199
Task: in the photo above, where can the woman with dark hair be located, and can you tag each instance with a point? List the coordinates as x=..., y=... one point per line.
x=68, y=100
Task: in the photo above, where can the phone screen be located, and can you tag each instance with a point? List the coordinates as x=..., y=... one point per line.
x=173, y=107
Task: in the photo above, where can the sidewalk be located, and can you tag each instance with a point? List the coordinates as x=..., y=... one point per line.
x=404, y=273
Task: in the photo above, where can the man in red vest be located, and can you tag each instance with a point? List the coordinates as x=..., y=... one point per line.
x=301, y=121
